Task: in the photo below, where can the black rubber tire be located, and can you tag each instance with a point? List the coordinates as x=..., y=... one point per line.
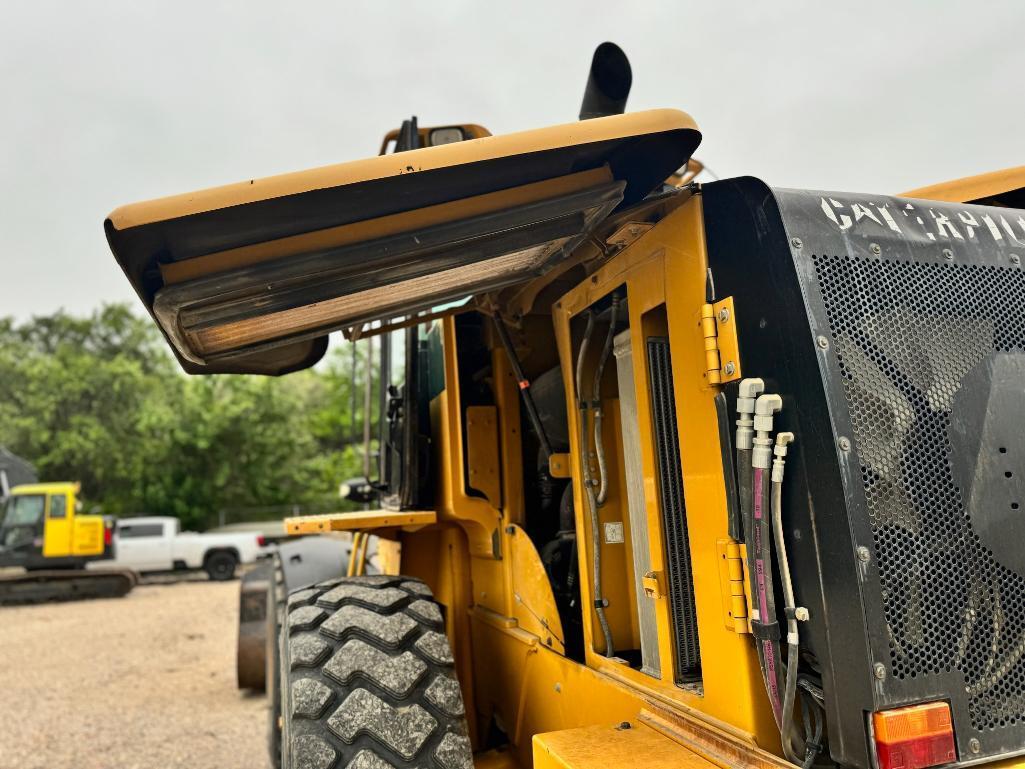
x=369, y=679
x=275, y=617
x=220, y=565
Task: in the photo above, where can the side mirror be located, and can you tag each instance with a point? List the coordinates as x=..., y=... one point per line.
x=359, y=490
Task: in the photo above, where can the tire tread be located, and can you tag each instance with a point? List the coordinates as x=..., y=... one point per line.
x=368, y=679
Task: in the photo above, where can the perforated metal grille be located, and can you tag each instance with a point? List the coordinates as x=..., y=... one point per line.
x=906, y=334
x=674, y=513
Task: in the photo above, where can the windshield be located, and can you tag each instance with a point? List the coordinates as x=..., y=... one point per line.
x=24, y=510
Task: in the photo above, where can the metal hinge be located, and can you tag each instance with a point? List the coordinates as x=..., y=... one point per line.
x=732, y=585
x=722, y=351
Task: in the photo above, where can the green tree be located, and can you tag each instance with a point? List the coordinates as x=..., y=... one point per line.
x=100, y=400
x=71, y=391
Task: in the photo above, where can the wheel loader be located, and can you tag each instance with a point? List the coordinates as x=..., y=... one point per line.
x=683, y=474
x=44, y=532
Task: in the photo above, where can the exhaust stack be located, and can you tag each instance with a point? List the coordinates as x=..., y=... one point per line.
x=608, y=83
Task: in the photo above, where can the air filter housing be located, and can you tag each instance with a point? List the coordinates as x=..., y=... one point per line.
x=895, y=331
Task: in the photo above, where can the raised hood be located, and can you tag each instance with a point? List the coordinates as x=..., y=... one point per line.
x=251, y=277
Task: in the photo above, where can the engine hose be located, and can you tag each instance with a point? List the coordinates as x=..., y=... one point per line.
x=599, y=446
x=588, y=483
x=767, y=629
x=584, y=344
x=599, y=455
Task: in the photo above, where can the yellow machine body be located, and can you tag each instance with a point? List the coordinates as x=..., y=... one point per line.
x=66, y=531
x=473, y=551
x=513, y=666
x=518, y=676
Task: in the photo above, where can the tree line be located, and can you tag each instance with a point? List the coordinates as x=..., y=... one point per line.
x=100, y=400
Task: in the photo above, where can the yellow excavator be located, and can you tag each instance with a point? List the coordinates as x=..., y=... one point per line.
x=684, y=474
x=44, y=532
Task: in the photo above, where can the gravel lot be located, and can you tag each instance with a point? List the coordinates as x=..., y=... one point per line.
x=130, y=683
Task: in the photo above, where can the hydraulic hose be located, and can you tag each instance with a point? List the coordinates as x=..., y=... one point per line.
x=744, y=488
x=749, y=390
x=599, y=446
x=765, y=627
x=589, y=492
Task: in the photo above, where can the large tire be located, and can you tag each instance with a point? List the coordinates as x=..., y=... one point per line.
x=220, y=565
x=370, y=680
x=275, y=618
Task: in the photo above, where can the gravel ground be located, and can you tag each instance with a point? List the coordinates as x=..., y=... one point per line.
x=128, y=683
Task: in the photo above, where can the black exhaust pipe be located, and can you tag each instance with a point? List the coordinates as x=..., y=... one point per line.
x=608, y=83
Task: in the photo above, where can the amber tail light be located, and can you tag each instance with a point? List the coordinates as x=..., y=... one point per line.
x=914, y=737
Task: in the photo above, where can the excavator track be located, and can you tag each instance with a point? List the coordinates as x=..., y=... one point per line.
x=64, y=585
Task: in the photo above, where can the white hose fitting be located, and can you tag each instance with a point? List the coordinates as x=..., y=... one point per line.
x=749, y=390
x=780, y=452
x=765, y=407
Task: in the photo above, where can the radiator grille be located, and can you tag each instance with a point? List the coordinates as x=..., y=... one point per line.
x=915, y=341
x=674, y=513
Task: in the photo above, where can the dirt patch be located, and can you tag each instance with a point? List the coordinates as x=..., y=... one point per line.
x=137, y=682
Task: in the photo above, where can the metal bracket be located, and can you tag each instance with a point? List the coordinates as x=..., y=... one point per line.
x=559, y=466
x=628, y=233
x=722, y=350
x=654, y=584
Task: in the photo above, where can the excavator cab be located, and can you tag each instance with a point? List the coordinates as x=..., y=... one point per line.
x=43, y=526
x=44, y=532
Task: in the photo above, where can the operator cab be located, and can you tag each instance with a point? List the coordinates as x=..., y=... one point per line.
x=42, y=527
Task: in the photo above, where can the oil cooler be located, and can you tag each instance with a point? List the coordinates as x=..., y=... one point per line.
x=895, y=331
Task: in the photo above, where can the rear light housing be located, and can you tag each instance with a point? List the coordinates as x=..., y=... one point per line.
x=261, y=540
x=108, y=534
x=914, y=737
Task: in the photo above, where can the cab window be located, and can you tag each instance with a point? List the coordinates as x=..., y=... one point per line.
x=24, y=510
x=138, y=530
x=58, y=507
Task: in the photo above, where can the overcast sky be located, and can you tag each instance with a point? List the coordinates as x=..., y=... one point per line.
x=105, y=103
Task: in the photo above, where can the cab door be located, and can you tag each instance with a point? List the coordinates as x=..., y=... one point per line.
x=57, y=528
x=21, y=532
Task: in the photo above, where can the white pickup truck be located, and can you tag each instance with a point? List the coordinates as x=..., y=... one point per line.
x=156, y=543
